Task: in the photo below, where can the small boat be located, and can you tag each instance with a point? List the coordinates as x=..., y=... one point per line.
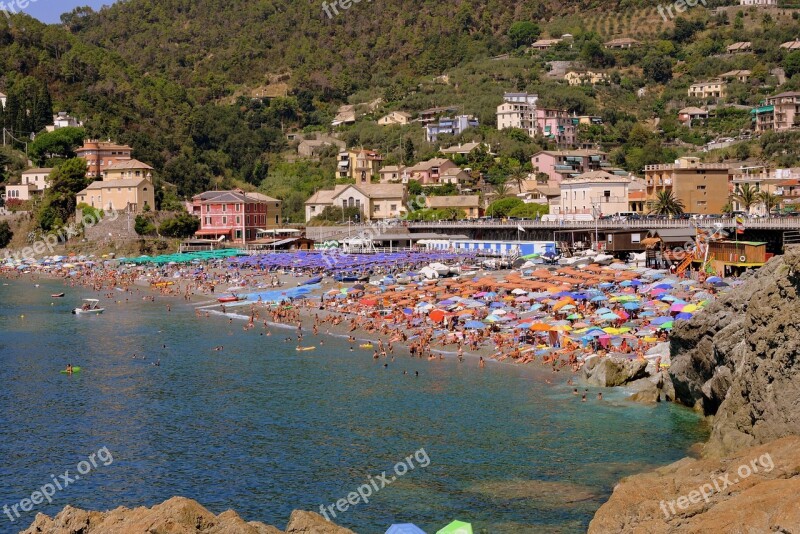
x=300, y=349
x=89, y=306
x=230, y=298
x=57, y=295
x=315, y=280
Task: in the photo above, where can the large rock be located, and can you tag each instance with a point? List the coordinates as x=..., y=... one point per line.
x=756, y=490
x=612, y=371
x=178, y=515
x=738, y=359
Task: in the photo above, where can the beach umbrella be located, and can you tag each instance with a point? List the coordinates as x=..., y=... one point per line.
x=661, y=320
x=499, y=312
x=712, y=279
x=561, y=328
x=610, y=316
x=599, y=298
x=720, y=284
x=676, y=307
x=574, y=316
x=540, y=327
x=492, y=319
x=683, y=316
x=601, y=311
x=474, y=324
x=523, y=299
x=404, y=528
x=689, y=308
x=631, y=305
x=437, y=316
x=496, y=305
x=456, y=527
x=666, y=326
x=408, y=311
x=567, y=307
x=518, y=291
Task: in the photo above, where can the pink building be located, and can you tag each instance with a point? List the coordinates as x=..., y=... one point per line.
x=561, y=164
x=235, y=215
x=556, y=124
x=431, y=172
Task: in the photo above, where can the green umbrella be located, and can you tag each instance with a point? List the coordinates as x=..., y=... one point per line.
x=456, y=527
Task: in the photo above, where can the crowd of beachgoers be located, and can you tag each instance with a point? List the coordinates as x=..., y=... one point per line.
x=547, y=314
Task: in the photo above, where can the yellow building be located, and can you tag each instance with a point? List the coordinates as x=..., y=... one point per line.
x=701, y=187
x=126, y=186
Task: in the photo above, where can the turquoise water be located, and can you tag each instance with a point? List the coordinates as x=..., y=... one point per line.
x=264, y=429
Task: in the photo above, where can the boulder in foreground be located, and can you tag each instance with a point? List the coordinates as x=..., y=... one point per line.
x=755, y=490
x=177, y=515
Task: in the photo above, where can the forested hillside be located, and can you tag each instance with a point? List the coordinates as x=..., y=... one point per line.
x=182, y=81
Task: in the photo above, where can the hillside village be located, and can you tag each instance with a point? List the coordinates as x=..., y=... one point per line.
x=558, y=135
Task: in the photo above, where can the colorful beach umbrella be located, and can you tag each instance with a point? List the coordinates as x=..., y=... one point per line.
x=405, y=528
x=456, y=527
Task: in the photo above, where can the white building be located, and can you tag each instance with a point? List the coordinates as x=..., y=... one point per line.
x=34, y=181
x=595, y=193
x=63, y=120
x=758, y=2
x=518, y=110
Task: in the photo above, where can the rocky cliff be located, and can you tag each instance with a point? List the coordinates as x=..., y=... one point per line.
x=756, y=490
x=178, y=515
x=738, y=360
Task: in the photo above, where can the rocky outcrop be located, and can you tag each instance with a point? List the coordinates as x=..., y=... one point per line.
x=755, y=490
x=613, y=370
x=738, y=359
x=178, y=515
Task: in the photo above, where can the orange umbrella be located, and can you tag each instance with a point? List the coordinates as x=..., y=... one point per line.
x=437, y=316
x=541, y=327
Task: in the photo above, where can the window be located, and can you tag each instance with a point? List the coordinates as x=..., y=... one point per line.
x=208, y=208
x=313, y=209
x=376, y=208
x=393, y=207
x=238, y=220
x=208, y=221
x=224, y=220
x=276, y=220
x=701, y=188
x=238, y=234
x=238, y=207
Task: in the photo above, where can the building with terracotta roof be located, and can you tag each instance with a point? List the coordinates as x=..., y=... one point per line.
x=374, y=201
x=102, y=154
x=234, y=215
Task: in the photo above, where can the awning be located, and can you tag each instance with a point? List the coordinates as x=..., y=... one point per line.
x=279, y=231
x=214, y=232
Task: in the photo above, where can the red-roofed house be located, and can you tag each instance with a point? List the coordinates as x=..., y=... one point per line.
x=235, y=215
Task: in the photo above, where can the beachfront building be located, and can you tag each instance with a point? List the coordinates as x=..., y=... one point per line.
x=469, y=204
x=759, y=178
x=125, y=186
x=234, y=215
x=777, y=113
x=518, y=110
x=702, y=187
x=594, y=193
x=374, y=201
x=556, y=125
x=561, y=164
x=102, y=154
x=359, y=165
x=449, y=126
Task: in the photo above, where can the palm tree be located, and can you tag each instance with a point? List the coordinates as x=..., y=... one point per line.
x=746, y=196
x=769, y=200
x=517, y=175
x=501, y=190
x=665, y=203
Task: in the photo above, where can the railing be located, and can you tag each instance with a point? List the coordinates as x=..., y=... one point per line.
x=771, y=223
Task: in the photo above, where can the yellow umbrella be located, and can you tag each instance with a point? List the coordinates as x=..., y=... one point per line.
x=611, y=330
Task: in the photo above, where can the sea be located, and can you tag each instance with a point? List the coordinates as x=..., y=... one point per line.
x=263, y=429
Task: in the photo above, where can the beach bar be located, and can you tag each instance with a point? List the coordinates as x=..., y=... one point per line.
x=739, y=253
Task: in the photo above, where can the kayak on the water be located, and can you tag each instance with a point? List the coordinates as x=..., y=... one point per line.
x=305, y=348
x=70, y=370
x=366, y=345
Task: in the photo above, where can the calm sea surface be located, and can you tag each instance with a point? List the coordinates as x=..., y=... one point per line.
x=264, y=429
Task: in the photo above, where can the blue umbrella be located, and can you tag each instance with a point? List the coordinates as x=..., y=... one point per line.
x=563, y=294
x=626, y=283
x=605, y=285
x=684, y=316
x=496, y=305
x=712, y=279
x=631, y=305
x=599, y=298
x=601, y=311
x=474, y=324
x=636, y=283
x=405, y=528
x=661, y=320
x=611, y=317
x=663, y=286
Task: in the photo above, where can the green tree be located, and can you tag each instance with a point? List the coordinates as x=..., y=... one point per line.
x=408, y=151
x=182, y=225
x=66, y=181
x=143, y=225
x=331, y=215
x=657, y=68
x=747, y=196
x=665, y=203
x=531, y=210
x=523, y=33
x=59, y=143
x=770, y=201
x=517, y=175
x=791, y=63
x=5, y=234
x=503, y=206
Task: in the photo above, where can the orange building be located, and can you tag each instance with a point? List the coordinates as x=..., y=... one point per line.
x=100, y=155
